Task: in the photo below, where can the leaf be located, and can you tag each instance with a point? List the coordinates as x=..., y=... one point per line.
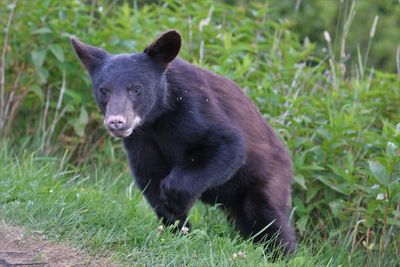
x=299, y=179
x=83, y=117
x=301, y=224
x=43, y=30
x=311, y=193
x=379, y=172
x=43, y=75
x=338, y=170
x=38, y=57
x=227, y=41
x=341, y=188
x=369, y=221
x=80, y=123
x=373, y=205
x=397, y=133
x=79, y=130
x=69, y=107
x=391, y=150
x=393, y=221
x=76, y=96
x=337, y=206
x=37, y=90
x=314, y=167
x=57, y=52
x=396, y=213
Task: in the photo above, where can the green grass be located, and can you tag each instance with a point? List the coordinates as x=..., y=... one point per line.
x=96, y=208
x=340, y=122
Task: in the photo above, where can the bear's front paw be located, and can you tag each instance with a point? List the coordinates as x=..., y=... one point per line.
x=175, y=199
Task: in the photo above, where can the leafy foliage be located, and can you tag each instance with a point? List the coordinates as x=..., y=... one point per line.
x=310, y=18
x=343, y=132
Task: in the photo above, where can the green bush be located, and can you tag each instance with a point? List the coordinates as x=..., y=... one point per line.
x=343, y=133
x=312, y=17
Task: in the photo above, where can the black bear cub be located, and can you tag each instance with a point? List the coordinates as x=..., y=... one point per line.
x=191, y=134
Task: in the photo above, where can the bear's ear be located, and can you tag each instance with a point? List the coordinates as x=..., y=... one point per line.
x=165, y=48
x=91, y=57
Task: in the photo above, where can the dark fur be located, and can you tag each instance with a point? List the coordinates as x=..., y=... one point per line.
x=200, y=138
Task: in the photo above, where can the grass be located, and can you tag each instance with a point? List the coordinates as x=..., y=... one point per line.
x=340, y=121
x=96, y=208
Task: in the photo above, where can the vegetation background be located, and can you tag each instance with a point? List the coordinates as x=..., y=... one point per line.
x=326, y=74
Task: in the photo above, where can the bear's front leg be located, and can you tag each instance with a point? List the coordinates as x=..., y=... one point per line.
x=209, y=164
x=143, y=154
x=177, y=198
x=168, y=217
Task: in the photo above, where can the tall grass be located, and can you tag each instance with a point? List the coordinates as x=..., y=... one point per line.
x=96, y=209
x=342, y=128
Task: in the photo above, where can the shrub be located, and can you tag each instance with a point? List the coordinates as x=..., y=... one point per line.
x=343, y=132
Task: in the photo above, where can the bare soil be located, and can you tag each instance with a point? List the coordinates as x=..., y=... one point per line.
x=20, y=248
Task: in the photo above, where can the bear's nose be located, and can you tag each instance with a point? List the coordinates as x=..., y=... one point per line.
x=116, y=122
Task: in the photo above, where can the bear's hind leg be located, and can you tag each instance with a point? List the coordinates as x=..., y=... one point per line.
x=258, y=219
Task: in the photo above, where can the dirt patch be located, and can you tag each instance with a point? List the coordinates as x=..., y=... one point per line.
x=19, y=248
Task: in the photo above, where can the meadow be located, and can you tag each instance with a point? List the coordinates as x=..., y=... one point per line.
x=61, y=174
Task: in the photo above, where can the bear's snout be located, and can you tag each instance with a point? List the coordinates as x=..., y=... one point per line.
x=115, y=122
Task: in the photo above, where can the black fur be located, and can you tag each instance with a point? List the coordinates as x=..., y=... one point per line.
x=199, y=137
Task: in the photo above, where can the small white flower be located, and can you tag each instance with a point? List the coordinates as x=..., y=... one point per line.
x=380, y=196
x=242, y=254
x=160, y=229
x=185, y=230
x=375, y=187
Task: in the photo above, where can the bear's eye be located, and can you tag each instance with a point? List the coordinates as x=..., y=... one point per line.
x=104, y=92
x=134, y=89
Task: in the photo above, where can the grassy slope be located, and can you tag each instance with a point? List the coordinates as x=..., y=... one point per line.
x=95, y=209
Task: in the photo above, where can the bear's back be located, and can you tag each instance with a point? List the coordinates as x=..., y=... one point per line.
x=220, y=99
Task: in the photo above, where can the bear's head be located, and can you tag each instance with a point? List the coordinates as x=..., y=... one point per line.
x=130, y=89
